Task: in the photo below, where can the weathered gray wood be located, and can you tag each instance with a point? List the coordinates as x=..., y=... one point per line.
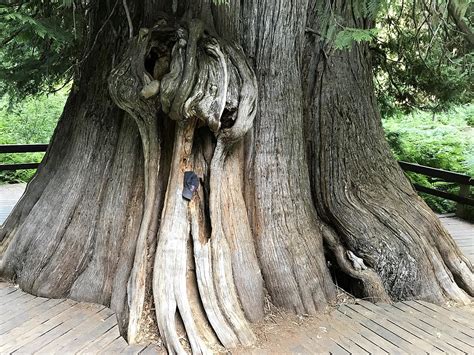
x=31, y=334
x=115, y=347
x=456, y=317
x=312, y=342
x=349, y=339
x=6, y=288
x=393, y=343
x=55, y=333
x=134, y=349
x=152, y=349
x=377, y=324
x=11, y=296
x=91, y=336
x=366, y=332
x=10, y=304
x=443, y=332
x=415, y=326
x=59, y=326
x=36, y=316
x=462, y=232
x=21, y=308
x=62, y=341
x=102, y=341
x=394, y=327
x=444, y=324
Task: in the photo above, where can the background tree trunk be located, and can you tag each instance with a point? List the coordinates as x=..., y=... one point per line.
x=103, y=219
x=358, y=187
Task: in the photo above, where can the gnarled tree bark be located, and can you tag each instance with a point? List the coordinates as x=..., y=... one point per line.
x=284, y=134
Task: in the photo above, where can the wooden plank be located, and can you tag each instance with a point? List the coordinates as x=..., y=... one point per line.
x=441, y=331
x=12, y=303
x=91, y=336
x=349, y=339
x=29, y=335
x=294, y=350
x=441, y=319
x=32, y=317
x=466, y=321
x=414, y=325
x=393, y=324
x=15, y=311
x=154, y=349
x=115, y=347
x=6, y=288
x=102, y=341
x=312, y=342
x=333, y=344
x=446, y=195
x=364, y=317
x=439, y=173
x=366, y=332
x=22, y=166
x=47, y=337
x=62, y=342
x=134, y=349
x=11, y=296
x=23, y=148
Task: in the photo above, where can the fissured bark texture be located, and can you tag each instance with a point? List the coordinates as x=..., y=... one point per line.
x=283, y=131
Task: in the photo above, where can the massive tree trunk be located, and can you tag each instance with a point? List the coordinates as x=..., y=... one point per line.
x=295, y=174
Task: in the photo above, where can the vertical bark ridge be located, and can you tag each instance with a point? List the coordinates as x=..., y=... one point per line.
x=135, y=97
x=61, y=240
x=221, y=253
x=357, y=185
x=245, y=266
x=290, y=249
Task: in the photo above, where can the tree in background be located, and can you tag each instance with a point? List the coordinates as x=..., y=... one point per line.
x=423, y=55
x=283, y=131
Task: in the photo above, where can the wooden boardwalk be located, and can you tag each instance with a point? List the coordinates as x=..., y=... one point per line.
x=9, y=196
x=412, y=327
x=30, y=324
x=462, y=232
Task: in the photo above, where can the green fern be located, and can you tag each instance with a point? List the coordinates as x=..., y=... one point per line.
x=346, y=37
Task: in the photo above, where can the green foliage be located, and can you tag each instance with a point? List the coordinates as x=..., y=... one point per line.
x=31, y=121
x=421, y=59
x=346, y=37
x=344, y=32
x=444, y=141
x=39, y=44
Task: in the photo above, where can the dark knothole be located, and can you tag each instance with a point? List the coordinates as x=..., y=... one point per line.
x=340, y=278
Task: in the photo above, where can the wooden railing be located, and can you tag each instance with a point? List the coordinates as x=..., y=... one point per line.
x=21, y=148
x=464, y=181
x=463, y=199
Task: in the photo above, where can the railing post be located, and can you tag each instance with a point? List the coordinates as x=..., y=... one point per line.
x=463, y=211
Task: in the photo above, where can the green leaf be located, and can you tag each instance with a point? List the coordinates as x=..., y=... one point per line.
x=346, y=37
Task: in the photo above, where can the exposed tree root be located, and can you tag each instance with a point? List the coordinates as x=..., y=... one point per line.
x=363, y=194
x=169, y=281
x=372, y=284
x=196, y=86
x=129, y=95
x=199, y=264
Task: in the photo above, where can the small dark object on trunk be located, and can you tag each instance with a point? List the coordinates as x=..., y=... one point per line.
x=190, y=184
